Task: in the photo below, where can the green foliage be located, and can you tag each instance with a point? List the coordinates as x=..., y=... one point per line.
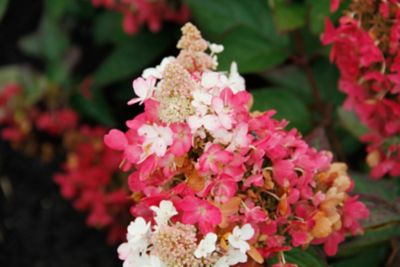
x=3, y=7
x=132, y=56
x=289, y=16
x=303, y=258
x=94, y=108
x=51, y=43
x=287, y=105
x=245, y=28
x=382, y=199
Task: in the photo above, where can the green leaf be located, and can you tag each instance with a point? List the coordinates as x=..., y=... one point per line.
x=351, y=122
x=319, y=10
x=324, y=73
x=104, y=24
x=252, y=51
x=51, y=43
x=370, y=256
x=383, y=224
x=95, y=108
x=3, y=8
x=303, y=258
x=287, y=105
x=245, y=28
x=133, y=56
x=55, y=9
x=289, y=16
x=370, y=238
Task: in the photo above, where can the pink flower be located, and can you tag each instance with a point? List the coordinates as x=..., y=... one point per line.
x=332, y=242
x=117, y=140
x=156, y=139
x=353, y=211
x=224, y=188
x=143, y=89
x=214, y=158
x=201, y=212
x=182, y=139
x=223, y=112
x=334, y=5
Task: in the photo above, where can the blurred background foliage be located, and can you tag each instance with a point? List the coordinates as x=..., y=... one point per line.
x=71, y=45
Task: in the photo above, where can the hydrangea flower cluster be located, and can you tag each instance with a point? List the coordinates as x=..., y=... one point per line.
x=150, y=12
x=24, y=122
x=91, y=179
x=233, y=186
x=366, y=49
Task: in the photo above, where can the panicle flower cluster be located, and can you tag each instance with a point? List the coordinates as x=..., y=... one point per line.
x=170, y=243
x=366, y=49
x=238, y=177
x=91, y=179
x=151, y=12
x=26, y=123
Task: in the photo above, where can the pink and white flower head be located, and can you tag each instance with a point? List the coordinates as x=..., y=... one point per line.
x=234, y=177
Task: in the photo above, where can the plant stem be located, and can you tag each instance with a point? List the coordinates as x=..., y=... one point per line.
x=325, y=108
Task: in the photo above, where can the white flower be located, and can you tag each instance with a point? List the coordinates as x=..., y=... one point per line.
x=239, y=137
x=143, y=260
x=215, y=48
x=153, y=261
x=158, y=71
x=201, y=101
x=143, y=89
x=232, y=257
x=157, y=139
x=239, y=237
x=138, y=230
x=206, y=246
x=235, y=81
x=131, y=251
x=236, y=256
x=163, y=213
x=222, y=262
x=210, y=79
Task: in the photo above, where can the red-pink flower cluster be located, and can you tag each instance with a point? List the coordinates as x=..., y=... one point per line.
x=150, y=12
x=23, y=122
x=198, y=146
x=91, y=177
x=366, y=49
x=92, y=181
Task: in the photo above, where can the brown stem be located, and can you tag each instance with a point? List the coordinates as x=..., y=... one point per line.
x=325, y=108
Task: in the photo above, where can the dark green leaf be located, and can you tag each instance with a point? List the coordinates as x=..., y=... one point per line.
x=133, y=56
x=55, y=9
x=3, y=8
x=383, y=224
x=95, y=108
x=303, y=258
x=370, y=256
x=289, y=16
x=245, y=28
x=106, y=23
x=251, y=50
x=351, y=122
x=287, y=105
x=324, y=73
x=372, y=237
x=319, y=10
